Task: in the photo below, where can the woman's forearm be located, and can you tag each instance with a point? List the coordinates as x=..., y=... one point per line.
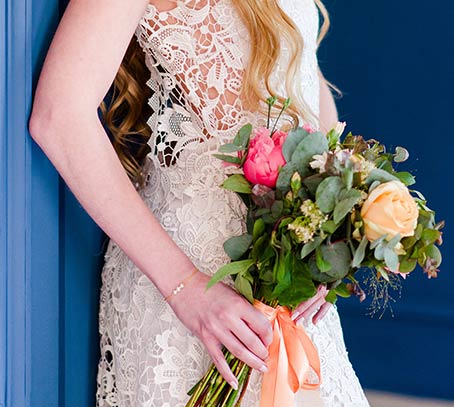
x=83, y=155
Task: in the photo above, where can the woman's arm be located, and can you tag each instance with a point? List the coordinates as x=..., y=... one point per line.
x=80, y=66
x=328, y=110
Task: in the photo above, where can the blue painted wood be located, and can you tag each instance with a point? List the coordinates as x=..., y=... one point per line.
x=29, y=215
x=393, y=64
x=3, y=191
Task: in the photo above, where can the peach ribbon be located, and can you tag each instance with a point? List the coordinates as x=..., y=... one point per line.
x=292, y=358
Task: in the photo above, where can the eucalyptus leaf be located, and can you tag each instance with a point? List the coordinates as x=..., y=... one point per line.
x=294, y=137
x=312, y=144
x=329, y=226
x=237, y=246
x=327, y=193
x=378, y=174
x=237, y=183
x=345, y=206
x=391, y=259
x=323, y=265
x=285, y=174
x=230, y=269
x=401, y=155
x=338, y=256
x=309, y=247
x=360, y=253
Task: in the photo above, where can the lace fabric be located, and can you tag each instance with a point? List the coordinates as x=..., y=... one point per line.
x=195, y=54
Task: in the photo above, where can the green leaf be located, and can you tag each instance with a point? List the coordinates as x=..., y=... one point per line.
x=360, y=253
x=346, y=205
x=244, y=287
x=429, y=236
x=407, y=265
x=401, y=155
x=329, y=226
x=309, y=247
x=243, y=135
x=331, y=297
x=347, y=177
x=406, y=178
x=230, y=148
x=237, y=246
x=301, y=287
x=312, y=144
x=434, y=253
x=338, y=256
x=237, y=183
x=327, y=192
x=294, y=137
x=378, y=174
x=259, y=229
x=230, y=269
x=391, y=259
x=342, y=290
x=312, y=182
x=322, y=264
x=228, y=158
x=284, y=177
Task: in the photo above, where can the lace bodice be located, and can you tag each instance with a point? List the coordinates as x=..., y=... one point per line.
x=196, y=54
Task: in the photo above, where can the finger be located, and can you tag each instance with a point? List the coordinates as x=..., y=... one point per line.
x=321, y=312
x=250, y=339
x=311, y=309
x=237, y=348
x=259, y=324
x=214, y=349
x=300, y=309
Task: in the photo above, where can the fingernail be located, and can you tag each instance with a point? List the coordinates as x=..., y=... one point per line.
x=264, y=369
x=234, y=385
x=295, y=315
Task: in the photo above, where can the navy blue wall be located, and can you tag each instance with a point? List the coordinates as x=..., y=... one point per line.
x=394, y=63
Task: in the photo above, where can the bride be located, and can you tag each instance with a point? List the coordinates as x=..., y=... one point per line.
x=193, y=72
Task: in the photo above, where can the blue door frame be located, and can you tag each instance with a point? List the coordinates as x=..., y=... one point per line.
x=29, y=208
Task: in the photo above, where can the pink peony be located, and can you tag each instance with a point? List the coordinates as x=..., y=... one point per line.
x=264, y=157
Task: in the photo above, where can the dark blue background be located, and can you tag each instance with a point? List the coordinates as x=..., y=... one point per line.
x=394, y=63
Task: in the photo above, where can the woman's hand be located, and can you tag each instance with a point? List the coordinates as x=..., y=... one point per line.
x=219, y=316
x=316, y=303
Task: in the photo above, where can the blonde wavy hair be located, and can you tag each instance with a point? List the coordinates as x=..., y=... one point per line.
x=126, y=112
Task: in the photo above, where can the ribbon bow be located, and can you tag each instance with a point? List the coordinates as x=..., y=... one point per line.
x=292, y=358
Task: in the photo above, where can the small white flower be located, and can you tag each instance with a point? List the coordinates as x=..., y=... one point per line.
x=319, y=162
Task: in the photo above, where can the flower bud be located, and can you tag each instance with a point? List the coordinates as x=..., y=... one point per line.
x=295, y=182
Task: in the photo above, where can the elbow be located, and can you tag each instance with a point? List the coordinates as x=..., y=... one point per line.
x=40, y=123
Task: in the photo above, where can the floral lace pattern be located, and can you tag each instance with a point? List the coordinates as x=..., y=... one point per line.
x=195, y=54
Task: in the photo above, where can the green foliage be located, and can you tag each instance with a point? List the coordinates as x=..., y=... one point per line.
x=237, y=246
x=237, y=183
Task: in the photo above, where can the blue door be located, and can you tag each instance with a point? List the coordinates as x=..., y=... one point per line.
x=50, y=251
x=395, y=66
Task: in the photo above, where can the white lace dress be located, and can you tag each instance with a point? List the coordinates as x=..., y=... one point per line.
x=195, y=54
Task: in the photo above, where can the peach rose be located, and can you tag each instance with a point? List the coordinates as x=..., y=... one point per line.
x=389, y=209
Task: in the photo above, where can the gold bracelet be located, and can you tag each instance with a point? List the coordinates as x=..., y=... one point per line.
x=181, y=286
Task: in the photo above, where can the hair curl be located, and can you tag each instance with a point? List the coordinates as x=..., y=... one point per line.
x=127, y=111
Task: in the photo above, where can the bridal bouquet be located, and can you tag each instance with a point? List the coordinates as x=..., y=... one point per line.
x=320, y=208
